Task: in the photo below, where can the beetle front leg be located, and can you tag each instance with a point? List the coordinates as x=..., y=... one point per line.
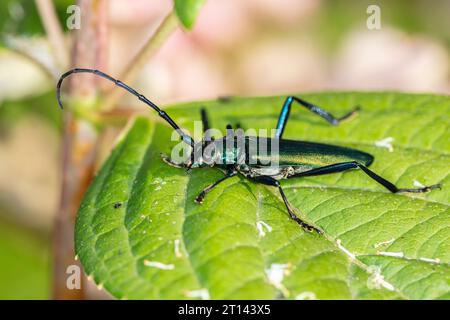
x=285, y=111
x=231, y=172
x=171, y=163
x=267, y=180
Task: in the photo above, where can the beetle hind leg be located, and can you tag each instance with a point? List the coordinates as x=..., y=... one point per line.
x=294, y=217
x=344, y=166
x=420, y=190
x=267, y=180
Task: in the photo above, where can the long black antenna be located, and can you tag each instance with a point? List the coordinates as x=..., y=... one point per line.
x=186, y=138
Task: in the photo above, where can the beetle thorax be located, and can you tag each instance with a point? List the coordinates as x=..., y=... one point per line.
x=219, y=152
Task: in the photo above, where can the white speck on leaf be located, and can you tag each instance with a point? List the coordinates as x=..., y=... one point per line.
x=376, y=279
x=307, y=295
x=275, y=275
x=156, y=181
x=159, y=265
x=348, y=253
x=385, y=143
x=383, y=243
x=176, y=244
x=391, y=254
x=261, y=225
x=201, y=293
x=418, y=184
x=437, y=260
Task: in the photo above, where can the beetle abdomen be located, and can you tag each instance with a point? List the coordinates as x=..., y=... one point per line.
x=309, y=154
x=318, y=154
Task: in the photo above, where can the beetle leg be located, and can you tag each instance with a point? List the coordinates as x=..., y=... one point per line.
x=170, y=162
x=205, y=125
x=230, y=132
x=231, y=172
x=391, y=187
x=339, y=167
x=267, y=180
x=205, y=121
x=285, y=111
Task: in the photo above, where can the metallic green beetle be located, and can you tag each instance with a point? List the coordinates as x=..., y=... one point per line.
x=236, y=153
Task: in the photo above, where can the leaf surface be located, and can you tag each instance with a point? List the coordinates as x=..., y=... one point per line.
x=187, y=11
x=240, y=243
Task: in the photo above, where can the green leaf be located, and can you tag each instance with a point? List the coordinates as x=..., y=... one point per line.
x=22, y=17
x=377, y=245
x=24, y=262
x=42, y=106
x=187, y=11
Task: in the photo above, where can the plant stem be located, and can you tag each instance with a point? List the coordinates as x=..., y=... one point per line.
x=35, y=62
x=167, y=27
x=54, y=32
x=78, y=159
x=102, y=36
x=79, y=148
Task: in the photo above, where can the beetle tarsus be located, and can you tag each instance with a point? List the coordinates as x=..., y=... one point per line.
x=169, y=161
x=270, y=181
x=349, y=115
x=303, y=224
x=420, y=190
x=231, y=172
x=199, y=199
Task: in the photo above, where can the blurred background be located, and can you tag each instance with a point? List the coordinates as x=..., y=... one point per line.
x=251, y=48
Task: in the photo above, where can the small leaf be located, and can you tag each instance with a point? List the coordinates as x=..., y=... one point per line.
x=140, y=234
x=24, y=263
x=42, y=106
x=22, y=17
x=187, y=11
